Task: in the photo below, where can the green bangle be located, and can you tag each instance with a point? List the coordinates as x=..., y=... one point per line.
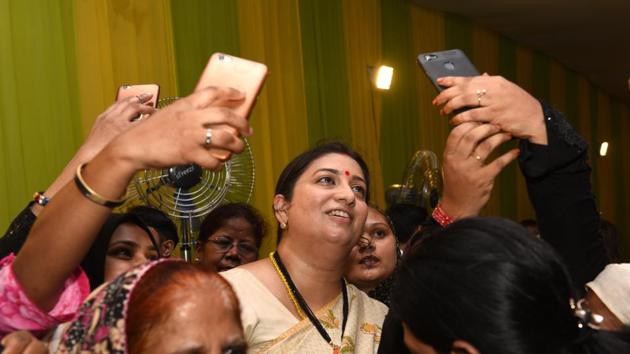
x=90, y=194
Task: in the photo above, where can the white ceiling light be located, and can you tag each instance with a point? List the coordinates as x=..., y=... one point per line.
x=603, y=149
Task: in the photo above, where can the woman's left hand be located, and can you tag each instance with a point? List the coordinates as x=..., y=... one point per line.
x=494, y=100
x=468, y=175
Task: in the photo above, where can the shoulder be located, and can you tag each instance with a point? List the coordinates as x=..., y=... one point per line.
x=235, y=275
x=246, y=274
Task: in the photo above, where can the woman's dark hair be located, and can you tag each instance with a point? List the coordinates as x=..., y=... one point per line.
x=486, y=281
x=219, y=216
x=387, y=218
x=295, y=168
x=158, y=220
x=94, y=261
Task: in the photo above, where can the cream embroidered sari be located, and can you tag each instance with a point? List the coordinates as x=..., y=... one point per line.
x=270, y=327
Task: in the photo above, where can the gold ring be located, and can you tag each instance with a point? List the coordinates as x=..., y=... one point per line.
x=480, y=93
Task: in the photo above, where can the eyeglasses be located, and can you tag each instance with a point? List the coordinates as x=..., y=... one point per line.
x=244, y=248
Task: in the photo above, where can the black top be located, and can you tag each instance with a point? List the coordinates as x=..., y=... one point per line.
x=559, y=187
x=15, y=236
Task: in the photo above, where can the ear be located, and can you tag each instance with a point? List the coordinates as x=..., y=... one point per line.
x=463, y=347
x=199, y=247
x=280, y=208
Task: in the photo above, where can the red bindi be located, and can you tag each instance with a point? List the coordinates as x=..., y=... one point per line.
x=346, y=172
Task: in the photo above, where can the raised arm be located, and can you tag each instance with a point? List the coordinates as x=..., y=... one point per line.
x=553, y=160
x=559, y=185
x=175, y=135
x=109, y=124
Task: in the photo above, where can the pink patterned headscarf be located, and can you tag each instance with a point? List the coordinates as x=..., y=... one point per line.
x=99, y=326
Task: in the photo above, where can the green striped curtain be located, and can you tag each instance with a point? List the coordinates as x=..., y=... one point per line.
x=60, y=63
x=39, y=125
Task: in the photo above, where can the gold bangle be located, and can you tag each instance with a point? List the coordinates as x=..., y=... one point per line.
x=90, y=194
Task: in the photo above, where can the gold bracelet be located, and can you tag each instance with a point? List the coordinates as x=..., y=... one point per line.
x=90, y=194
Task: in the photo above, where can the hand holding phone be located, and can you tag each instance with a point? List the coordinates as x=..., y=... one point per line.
x=446, y=63
x=241, y=74
x=126, y=91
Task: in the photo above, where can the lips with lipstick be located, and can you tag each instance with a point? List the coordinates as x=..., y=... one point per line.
x=370, y=261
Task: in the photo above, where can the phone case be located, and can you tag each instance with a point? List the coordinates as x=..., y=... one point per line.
x=446, y=63
x=242, y=74
x=125, y=91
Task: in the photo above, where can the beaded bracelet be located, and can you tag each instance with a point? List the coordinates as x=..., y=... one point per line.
x=441, y=216
x=90, y=194
x=40, y=198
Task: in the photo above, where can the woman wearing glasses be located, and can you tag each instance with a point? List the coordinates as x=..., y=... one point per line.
x=230, y=236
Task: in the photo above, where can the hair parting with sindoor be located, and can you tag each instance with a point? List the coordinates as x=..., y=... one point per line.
x=295, y=169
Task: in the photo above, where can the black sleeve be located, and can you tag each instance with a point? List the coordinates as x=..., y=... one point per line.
x=17, y=232
x=559, y=187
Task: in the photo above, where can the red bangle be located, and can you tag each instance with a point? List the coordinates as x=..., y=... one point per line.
x=441, y=216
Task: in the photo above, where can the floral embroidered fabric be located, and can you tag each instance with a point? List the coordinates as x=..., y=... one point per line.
x=99, y=327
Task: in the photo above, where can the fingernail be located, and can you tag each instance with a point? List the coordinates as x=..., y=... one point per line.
x=434, y=102
x=145, y=96
x=439, y=80
x=251, y=131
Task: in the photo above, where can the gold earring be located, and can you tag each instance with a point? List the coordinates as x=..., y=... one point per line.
x=283, y=225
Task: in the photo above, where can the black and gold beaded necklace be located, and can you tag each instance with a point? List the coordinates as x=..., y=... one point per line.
x=302, y=307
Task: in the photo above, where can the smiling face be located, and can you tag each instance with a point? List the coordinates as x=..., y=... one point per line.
x=128, y=247
x=328, y=202
x=374, y=260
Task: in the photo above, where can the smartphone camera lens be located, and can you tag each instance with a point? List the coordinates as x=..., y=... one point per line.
x=225, y=58
x=430, y=57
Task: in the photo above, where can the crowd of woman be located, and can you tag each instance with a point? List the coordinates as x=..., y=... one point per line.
x=346, y=277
